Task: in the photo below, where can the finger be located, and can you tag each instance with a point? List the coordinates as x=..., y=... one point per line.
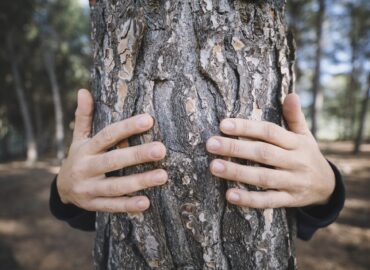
x=257, y=176
x=259, y=199
x=122, y=158
x=83, y=115
x=116, y=132
x=261, y=130
x=119, y=204
x=293, y=114
x=252, y=150
x=119, y=186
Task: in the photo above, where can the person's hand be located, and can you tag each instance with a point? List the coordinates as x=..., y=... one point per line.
x=81, y=180
x=301, y=175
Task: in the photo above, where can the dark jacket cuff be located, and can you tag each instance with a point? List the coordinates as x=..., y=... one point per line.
x=311, y=218
x=76, y=217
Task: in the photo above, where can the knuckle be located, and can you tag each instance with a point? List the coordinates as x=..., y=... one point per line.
x=126, y=124
x=244, y=125
x=110, y=162
x=267, y=204
x=301, y=164
x=251, y=202
x=265, y=152
x=76, y=171
x=148, y=180
x=138, y=155
x=270, y=131
x=77, y=113
x=124, y=207
x=87, y=206
x=141, y=181
x=109, y=207
x=264, y=180
x=74, y=174
x=307, y=185
x=78, y=190
x=90, y=192
x=236, y=173
x=113, y=188
x=301, y=184
x=107, y=134
x=234, y=147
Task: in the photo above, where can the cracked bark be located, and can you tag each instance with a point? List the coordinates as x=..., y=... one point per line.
x=190, y=64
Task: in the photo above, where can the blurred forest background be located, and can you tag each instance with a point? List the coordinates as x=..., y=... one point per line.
x=45, y=57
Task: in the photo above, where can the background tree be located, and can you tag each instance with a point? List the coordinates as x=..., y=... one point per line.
x=55, y=31
x=362, y=119
x=317, y=95
x=12, y=36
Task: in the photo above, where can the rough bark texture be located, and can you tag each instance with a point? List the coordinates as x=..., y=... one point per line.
x=190, y=64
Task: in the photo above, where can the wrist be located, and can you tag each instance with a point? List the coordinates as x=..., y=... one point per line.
x=329, y=188
x=63, y=199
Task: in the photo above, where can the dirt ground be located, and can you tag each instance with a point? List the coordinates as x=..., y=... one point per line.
x=30, y=238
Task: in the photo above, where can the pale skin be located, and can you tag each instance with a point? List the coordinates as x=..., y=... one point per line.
x=301, y=175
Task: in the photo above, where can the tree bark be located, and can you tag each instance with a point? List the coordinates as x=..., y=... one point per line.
x=58, y=110
x=32, y=153
x=190, y=64
x=317, y=95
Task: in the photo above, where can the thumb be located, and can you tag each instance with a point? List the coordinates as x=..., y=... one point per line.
x=84, y=115
x=293, y=114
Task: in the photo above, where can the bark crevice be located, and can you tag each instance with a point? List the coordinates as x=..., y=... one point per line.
x=190, y=64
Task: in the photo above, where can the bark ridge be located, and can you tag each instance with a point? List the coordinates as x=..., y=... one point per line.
x=190, y=64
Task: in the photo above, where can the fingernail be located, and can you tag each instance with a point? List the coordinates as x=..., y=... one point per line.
x=227, y=125
x=144, y=121
x=142, y=204
x=218, y=167
x=156, y=152
x=213, y=144
x=160, y=178
x=234, y=197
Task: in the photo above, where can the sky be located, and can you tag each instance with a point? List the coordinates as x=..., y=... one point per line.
x=84, y=3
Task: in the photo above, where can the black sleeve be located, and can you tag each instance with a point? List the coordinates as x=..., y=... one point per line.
x=76, y=217
x=311, y=218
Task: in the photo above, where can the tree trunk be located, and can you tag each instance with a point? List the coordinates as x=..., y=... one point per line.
x=317, y=95
x=353, y=84
x=58, y=111
x=362, y=120
x=32, y=153
x=190, y=64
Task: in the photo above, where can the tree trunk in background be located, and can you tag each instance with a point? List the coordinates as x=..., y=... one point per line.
x=58, y=111
x=317, y=95
x=362, y=120
x=353, y=85
x=190, y=64
x=32, y=153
